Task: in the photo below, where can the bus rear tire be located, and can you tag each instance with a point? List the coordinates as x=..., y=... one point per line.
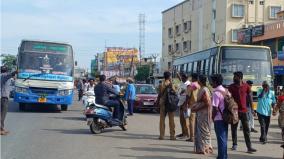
x=22, y=106
x=64, y=107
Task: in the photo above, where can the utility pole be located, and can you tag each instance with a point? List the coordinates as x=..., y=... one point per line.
x=141, y=36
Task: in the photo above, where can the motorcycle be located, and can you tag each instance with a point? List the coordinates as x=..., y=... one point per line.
x=100, y=117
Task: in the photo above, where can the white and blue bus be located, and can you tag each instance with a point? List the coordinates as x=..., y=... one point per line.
x=45, y=74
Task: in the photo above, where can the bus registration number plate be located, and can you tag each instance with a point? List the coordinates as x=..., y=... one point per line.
x=42, y=100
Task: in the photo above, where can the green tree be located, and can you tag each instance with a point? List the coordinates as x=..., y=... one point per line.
x=95, y=72
x=142, y=73
x=9, y=61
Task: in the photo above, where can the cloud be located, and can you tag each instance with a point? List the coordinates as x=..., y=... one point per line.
x=85, y=23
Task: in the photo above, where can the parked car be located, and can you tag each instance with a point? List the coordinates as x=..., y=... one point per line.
x=146, y=97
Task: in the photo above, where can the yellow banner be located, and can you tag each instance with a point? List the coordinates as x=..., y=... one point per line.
x=124, y=55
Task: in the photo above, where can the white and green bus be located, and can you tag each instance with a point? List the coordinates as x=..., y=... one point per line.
x=254, y=61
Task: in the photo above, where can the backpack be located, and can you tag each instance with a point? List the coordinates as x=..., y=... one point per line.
x=230, y=113
x=172, y=99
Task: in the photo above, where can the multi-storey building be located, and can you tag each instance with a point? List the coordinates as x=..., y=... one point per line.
x=195, y=25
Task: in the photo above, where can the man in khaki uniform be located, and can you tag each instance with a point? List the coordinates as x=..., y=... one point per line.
x=193, y=89
x=161, y=102
x=183, y=104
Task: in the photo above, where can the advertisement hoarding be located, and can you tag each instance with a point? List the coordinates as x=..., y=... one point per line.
x=244, y=36
x=116, y=55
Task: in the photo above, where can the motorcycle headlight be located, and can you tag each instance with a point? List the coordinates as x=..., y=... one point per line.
x=21, y=90
x=64, y=92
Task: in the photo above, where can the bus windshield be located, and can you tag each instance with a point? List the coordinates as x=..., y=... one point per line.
x=255, y=63
x=41, y=57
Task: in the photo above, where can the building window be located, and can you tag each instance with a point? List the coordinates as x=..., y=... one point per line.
x=261, y=2
x=177, y=29
x=214, y=13
x=185, y=26
x=185, y=46
x=273, y=11
x=234, y=35
x=250, y=1
x=170, y=48
x=169, y=65
x=213, y=36
x=237, y=10
x=189, y=45
x=177, y=47
x=170, y=32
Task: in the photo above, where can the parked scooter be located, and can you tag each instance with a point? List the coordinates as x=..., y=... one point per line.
x=100, y=117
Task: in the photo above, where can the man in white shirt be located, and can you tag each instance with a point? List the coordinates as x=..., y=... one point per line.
x=90, y=86
x=182, y=92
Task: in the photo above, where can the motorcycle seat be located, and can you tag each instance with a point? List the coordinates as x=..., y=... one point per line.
x=102, y=106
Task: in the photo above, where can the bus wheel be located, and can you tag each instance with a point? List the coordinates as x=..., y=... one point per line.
x=22, y=106
x=64, y=107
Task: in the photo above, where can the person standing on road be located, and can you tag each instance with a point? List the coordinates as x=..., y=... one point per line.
x=203, y=111
x=193, y=89
x=183, y=105
x=266, y=100
x=85, y=85
x=239, y=91
x=5, y=92
x=251, y=111
x=280, y=107
x=221, y=127
x=130, y=96
x=80, y=89
x=161, y=102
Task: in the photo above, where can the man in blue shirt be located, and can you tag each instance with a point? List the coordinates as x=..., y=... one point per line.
x=130, y=95
x=266, y=100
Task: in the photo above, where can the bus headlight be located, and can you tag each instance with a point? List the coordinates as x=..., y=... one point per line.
x=65, y=92
x=21, y=90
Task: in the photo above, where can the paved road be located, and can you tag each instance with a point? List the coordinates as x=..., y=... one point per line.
x=41, y=133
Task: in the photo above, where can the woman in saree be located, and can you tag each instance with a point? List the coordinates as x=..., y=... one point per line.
x=203, y=119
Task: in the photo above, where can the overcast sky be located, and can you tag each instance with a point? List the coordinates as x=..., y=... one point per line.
x=86, y=24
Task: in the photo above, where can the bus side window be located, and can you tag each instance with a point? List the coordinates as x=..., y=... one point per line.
x=189, y=68
x=202, y=70
x=212, y=65
x=181, y=68
x=185, y=68
x=206, y=66
x=194, y=69
x=198, y=70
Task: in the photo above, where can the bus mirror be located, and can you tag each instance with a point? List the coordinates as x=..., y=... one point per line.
x=76, y=63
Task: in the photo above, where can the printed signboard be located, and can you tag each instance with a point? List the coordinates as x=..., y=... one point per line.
x=244, y=36
x=258, y=30
x=278, y=70
x=115, y=55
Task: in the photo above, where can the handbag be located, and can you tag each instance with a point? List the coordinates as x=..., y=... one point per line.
x=187, y=113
